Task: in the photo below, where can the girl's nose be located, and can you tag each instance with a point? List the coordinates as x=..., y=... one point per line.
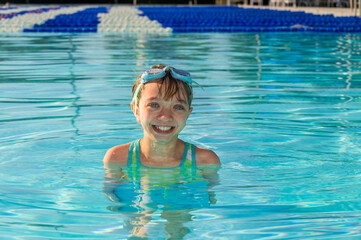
x=165, y=114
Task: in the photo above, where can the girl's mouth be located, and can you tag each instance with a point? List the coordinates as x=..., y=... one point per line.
x=163, y=129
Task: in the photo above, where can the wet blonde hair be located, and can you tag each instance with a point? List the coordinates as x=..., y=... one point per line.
x=168, y=87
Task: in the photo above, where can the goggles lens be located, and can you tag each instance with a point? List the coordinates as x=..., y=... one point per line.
x=181, y=72
x=155, y=73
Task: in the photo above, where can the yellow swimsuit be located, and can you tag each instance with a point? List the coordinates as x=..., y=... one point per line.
x=171, y=188
x=186, y=170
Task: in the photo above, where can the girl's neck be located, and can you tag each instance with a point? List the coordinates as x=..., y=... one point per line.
x=160, y=153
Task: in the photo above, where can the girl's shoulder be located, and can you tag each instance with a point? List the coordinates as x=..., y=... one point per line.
x=117, y=154
x=205, y=156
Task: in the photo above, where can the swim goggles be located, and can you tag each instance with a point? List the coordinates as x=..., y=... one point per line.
x=155, y=73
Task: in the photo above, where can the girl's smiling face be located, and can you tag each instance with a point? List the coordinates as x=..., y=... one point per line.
x=161, y=119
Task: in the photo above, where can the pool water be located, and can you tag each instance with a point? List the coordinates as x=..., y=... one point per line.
x=281, y=110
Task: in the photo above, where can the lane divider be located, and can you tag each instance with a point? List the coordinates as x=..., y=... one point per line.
x=21, y=22
x=166, y=20
x=4, y=12
x=129, y=20
x=238, y=19
x=81, y=19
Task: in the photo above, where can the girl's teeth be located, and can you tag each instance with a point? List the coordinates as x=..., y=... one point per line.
x=163, y=128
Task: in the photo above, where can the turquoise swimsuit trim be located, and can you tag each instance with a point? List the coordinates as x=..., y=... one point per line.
x=193, y=150
x=137, y=154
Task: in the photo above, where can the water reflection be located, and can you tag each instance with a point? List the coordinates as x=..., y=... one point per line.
x=158, y=202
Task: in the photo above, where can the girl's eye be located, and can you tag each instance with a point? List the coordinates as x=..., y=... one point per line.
x=153, y=105
x=179, y=107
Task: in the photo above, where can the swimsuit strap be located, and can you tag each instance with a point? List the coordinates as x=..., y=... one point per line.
x=190, y=160
x=186, y=144
x=135, y=149
x=131, y=155
x=132, y=166
x=137, y=153
x=193, y=149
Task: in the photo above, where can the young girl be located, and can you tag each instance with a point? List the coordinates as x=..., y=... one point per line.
x=160, y=172
x=161, y=103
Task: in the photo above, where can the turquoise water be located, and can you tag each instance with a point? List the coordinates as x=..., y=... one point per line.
x=281, y=110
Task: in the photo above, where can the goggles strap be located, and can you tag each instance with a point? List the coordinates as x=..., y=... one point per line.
x=136, y=93
x=190, y=85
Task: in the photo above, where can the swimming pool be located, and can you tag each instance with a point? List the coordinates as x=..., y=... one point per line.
x=281, y=110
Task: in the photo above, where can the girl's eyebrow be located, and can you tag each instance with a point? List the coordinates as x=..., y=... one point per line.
x=152, y=98
x=181, y=101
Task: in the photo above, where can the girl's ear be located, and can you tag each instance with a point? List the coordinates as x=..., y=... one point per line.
x=135, y=111
x=190, y=111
